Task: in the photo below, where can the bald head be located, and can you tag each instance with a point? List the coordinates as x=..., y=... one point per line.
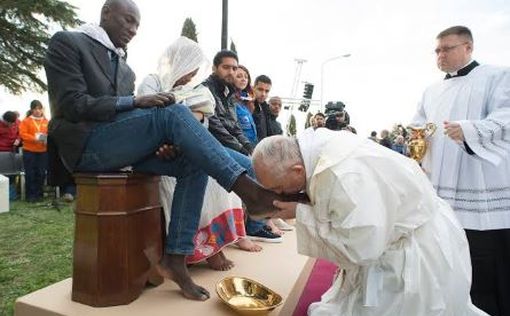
x=275, y=105
x=278, y=164
x=120, y=19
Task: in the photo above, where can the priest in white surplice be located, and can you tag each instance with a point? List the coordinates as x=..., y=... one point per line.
x=374, y=213
x=468, y=160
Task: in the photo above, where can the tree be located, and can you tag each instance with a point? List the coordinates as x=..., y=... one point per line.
x=307, y=122
x=24, y=36
x=189, y=30
x=233, y=46
x=291, y=127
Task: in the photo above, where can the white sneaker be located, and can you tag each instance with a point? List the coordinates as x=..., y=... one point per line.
x=68, y=197
x=282, y=225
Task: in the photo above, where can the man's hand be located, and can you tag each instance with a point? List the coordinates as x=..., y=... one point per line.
x=168, y=152
x=160, y=99
x=454, y=131
x=287, y=209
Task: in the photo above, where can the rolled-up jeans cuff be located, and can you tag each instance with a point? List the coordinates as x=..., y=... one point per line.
x=179, y=251
x=236, y=172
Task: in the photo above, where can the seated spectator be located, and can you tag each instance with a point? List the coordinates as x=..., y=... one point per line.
x=244, y=103
x=9, y=142
x=224, y=126
x=178, y=66
x=275, y=106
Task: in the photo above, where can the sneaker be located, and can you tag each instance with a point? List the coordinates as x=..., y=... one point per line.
x=266, y=236
x=282, y=225
x=68, y=197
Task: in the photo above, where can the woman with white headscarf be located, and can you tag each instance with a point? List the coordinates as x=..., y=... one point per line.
x=222, y=218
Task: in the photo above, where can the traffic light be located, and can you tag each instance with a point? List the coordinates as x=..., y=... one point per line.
x=305, y=104
x=307, y=94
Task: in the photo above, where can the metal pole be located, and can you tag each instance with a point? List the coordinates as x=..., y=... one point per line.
x=322, y=74
x=224, y=24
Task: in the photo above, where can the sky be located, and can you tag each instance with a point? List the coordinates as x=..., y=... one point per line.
x=390, y=43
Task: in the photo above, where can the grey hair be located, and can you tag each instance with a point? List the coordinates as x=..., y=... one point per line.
x=277, y=153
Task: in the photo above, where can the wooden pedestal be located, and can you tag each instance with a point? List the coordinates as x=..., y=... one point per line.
x=118, y=216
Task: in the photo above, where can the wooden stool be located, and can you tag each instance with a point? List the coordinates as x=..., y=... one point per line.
x=118, y=217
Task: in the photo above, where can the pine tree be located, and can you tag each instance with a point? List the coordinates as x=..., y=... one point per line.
x=307, y=123
x=233, y=46
x=291, y=127
x=189, y=30
x=24, y=39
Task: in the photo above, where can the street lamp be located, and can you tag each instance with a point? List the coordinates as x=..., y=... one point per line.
x=322, y=73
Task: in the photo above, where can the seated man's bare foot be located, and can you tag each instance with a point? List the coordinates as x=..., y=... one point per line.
x=274, y=228
x=259, y=201
x=248, y=245
x=220, y=262
x=174, y=268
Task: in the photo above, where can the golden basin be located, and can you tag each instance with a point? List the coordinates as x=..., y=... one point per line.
x=247, y=296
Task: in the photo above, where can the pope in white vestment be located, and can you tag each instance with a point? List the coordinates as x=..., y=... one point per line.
x=374, y=213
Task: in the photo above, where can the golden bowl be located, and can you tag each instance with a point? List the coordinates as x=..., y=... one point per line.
x=247, y=296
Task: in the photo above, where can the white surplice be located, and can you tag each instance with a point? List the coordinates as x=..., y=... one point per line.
x=375, y=214
x=476, y=186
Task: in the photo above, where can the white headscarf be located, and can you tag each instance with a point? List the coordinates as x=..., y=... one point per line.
x=99, y=34
x=181, y=58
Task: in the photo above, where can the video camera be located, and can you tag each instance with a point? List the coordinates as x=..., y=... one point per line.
x=336, y=116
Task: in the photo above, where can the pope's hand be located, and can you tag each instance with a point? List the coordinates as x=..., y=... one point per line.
x=287, y=209
x=454, y=131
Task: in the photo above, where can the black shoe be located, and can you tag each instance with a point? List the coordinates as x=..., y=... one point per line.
x=266, y=236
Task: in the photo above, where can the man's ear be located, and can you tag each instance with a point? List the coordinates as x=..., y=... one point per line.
x=214, y=68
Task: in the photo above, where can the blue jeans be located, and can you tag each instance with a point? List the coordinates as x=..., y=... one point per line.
x=251, y=225
x=12, y=188
x=35, y=165
x=134, y=137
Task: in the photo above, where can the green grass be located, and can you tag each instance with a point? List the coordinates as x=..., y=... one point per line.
x=36, y=244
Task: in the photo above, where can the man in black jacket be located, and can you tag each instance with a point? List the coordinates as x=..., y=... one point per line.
x=261, y=114
x=223, y=124
x=275, y=106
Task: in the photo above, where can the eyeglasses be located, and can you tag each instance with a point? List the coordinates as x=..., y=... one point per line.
x=447, y=49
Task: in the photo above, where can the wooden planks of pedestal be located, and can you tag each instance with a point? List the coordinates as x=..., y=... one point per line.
x=118, y=216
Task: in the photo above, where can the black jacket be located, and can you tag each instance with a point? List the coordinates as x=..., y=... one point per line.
x=275, y=128
x=223, y=124
x=82, y=93
x=265, y=121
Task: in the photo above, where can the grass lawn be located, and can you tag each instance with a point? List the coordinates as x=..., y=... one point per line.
x=36, y=244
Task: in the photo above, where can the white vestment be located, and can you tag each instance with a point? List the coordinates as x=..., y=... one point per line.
x=374, y=213
x=476, y=186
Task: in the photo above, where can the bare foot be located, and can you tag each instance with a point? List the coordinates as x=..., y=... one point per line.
x=259, y=201
x=173, y=267
x=274, y=229
x=220, y=262
x=248, y=245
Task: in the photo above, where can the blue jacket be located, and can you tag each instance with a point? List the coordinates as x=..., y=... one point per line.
x=246, y=122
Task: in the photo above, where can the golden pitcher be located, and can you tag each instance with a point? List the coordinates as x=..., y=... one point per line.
x=417, y=144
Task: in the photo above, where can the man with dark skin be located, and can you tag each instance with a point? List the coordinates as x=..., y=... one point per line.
x=98, y=125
